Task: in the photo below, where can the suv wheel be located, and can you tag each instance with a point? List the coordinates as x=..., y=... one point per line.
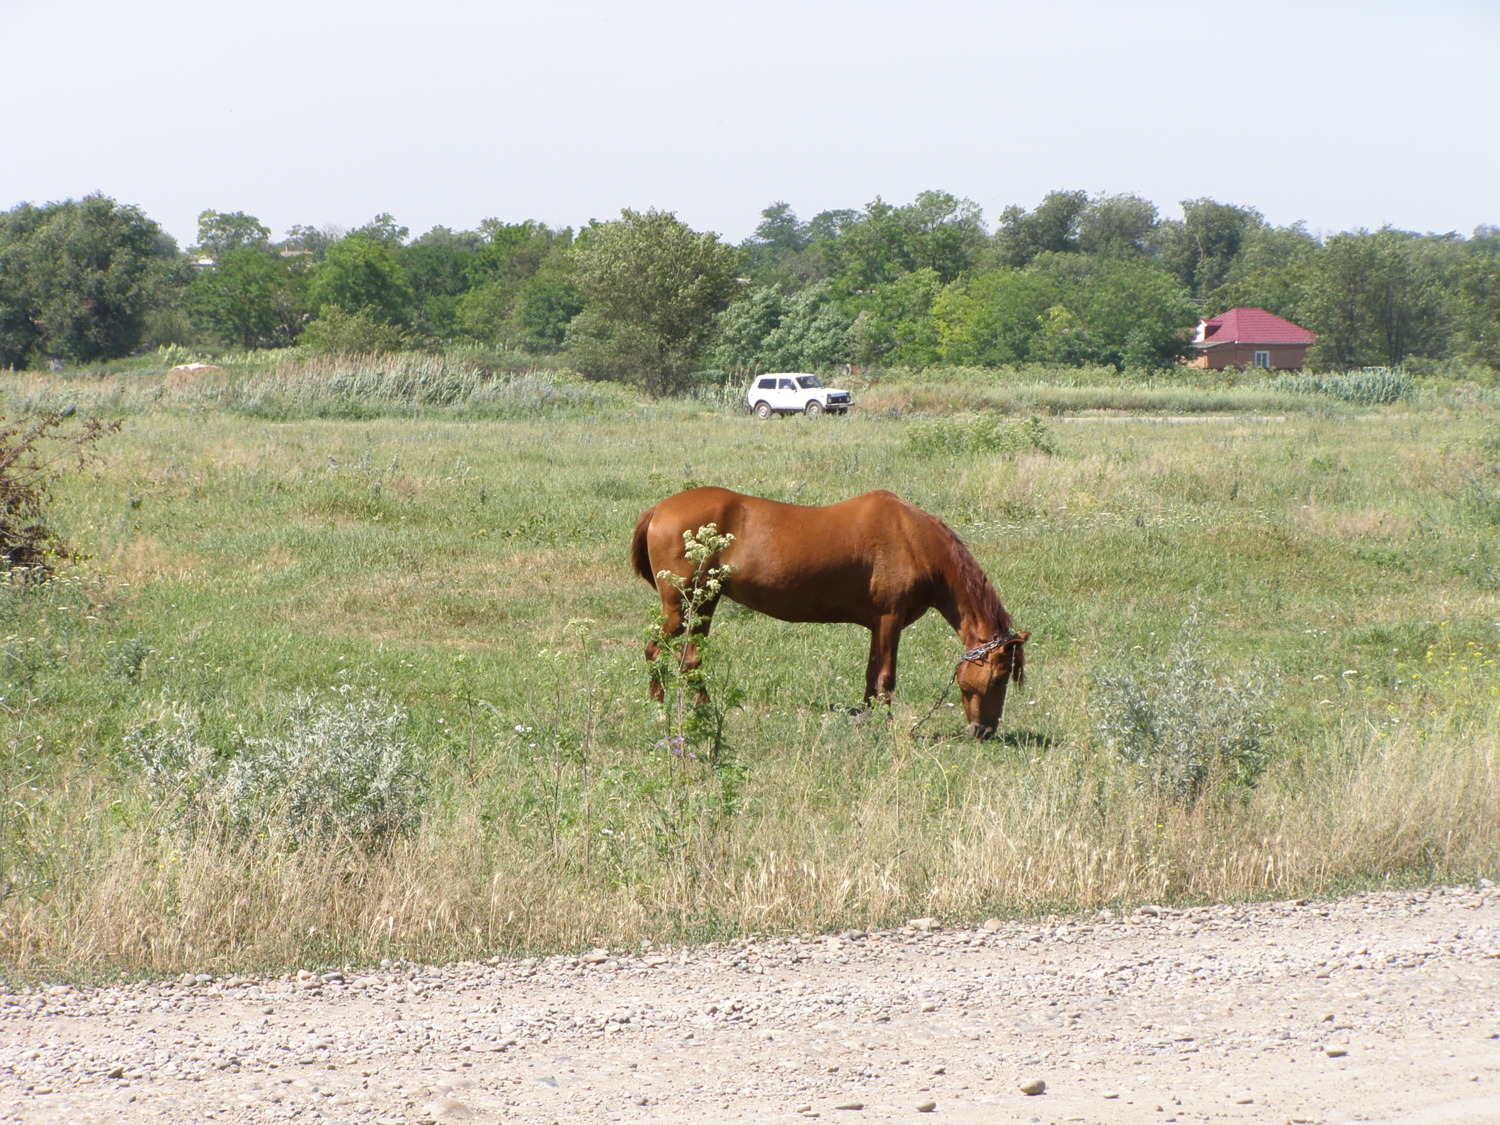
x=762, y=410
x=813, y=409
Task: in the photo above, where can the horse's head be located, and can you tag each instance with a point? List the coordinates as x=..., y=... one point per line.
x=983, y=675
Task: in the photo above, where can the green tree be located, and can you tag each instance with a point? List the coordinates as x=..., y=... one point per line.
x=1051, y=228
x=993, y=318
x=361, y=332
x=78, y=279
x=784, y=251
x=251, y=298
x=518, y=250
x=1134, y=314
x=652, y=288
x=1374, y=299
x=522, y=294
x=1067, y=309
x=815, y=333
x=359, y=272
x=439, y=266
x=744, y=326
x=779, y=228
x=312, y=241
x=1061, y=338
x=936, y=231
x=1272, y=271
x=766, y=331
x=222, y=232
x=1114, y=224
x=789, y=254
x=547, y=306
x=893, y=322
x=1476, y=312
x=384, y=229
x=1200, y=248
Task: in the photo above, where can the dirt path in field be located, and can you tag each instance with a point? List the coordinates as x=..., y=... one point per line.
x=1380, y=1008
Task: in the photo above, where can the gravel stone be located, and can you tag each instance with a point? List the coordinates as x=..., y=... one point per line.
x=1211, y=997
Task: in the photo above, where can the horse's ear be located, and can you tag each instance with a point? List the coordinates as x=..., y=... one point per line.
x=1018, y=657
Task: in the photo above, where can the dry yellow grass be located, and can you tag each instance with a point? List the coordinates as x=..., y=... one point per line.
x=1030, y=842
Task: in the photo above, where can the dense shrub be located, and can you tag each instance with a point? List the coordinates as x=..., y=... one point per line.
x=362, y=331
x=1181, y=723
x=33, y=454
x=342, y=768
x=978, y=433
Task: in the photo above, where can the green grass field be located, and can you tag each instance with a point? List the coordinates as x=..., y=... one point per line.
x=250, y=550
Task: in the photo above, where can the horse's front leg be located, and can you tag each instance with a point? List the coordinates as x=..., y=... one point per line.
x=880, y=673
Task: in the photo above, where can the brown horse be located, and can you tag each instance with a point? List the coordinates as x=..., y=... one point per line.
x=874, y=561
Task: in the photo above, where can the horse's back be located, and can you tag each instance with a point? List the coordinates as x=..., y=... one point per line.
x=850, y=561
x=707, y=500
x=860, y=524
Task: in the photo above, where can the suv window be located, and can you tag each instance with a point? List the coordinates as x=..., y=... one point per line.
x=810, y=383
x=767, y=384
x=787, y=385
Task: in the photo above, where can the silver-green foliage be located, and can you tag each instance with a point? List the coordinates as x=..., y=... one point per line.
x=983, y=432
x=341, y=767
x=176, y=761
x=1183, y=724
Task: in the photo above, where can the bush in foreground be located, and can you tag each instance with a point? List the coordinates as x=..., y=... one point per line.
x=341, y=769
x=1184, y=725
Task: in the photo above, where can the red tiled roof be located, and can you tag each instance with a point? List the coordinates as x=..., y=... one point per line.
x=1254, y=326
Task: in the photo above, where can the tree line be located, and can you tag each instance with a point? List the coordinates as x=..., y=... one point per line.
x=1078, y=279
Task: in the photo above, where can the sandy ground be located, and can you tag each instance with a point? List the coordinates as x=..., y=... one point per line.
x=1381, y=1007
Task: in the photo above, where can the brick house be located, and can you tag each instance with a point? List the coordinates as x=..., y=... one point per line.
x=1250, y=338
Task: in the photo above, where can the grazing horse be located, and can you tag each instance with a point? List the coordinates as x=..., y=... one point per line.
x=874, y=561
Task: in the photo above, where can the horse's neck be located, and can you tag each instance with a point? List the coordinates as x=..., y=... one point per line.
x=973, y=619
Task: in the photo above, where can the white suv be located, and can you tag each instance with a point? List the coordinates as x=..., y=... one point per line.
x=794, y=393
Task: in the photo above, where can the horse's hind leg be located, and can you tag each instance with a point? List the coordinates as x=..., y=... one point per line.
x=671, y=604
x=691, y=657
x=671, y=608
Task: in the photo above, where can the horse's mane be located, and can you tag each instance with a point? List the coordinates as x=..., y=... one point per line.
x=972, y=585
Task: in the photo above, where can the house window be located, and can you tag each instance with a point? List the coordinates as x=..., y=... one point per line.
x=1263, y=359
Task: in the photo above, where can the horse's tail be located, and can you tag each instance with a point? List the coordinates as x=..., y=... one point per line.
x=640, y=554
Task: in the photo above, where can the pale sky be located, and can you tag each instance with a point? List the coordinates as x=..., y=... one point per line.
x=1340, y=114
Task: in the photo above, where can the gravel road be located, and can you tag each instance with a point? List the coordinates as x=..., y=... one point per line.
x=1381, y=1007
